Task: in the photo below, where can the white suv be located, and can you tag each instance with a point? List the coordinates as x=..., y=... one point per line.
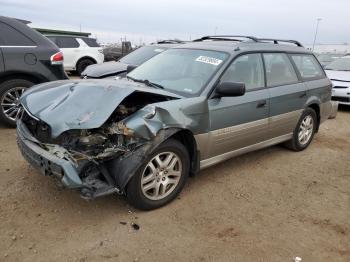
x=78, y=52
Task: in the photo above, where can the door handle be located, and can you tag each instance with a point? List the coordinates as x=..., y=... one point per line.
x=261, y=103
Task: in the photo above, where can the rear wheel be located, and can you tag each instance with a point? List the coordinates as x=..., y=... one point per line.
x=10, y=92
x=82, y=64
x=304, y=131
x=161, y=178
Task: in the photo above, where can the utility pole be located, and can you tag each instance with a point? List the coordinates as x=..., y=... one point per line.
x=215, y=30
x=318, y=22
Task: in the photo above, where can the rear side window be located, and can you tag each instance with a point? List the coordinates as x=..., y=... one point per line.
x=279, y=70
x=66, y=42
x=247, y=69
x=308, y=67
x=9, y=36
x=91, y=42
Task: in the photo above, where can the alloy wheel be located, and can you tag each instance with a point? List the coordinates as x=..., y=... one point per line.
x=10, y=101
x=306, y=130
x=161, y=175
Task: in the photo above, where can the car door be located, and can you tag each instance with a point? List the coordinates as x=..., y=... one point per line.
x=287, y=94
x=2, y=65
x=237, y=122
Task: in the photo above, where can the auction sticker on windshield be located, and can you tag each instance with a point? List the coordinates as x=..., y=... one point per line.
x=209, y=60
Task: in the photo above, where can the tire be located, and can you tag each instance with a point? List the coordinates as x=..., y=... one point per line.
x=10, y=91
x=138, y=194
x=297, y=144
x=82, y=64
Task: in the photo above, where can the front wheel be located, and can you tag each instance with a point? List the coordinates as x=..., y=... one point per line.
x=304, y=131
x=161, y=178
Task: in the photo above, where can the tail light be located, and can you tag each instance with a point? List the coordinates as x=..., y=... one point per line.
x=100, y=50
x=57, y=59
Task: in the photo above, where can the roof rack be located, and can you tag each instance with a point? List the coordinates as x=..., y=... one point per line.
x=226, y=38
x=170, y=41
x=253, y=38
x=276, y=41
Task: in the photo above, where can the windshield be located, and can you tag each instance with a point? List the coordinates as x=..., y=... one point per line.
x=341, y=64
x=142, y=54
x=183, y=71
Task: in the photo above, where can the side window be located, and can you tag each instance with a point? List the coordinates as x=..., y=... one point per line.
x=279, y=70
x=9, y=36
x=67, y=42
x=247, y=69
x=308, y=67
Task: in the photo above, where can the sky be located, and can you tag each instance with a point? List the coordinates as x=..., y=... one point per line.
x=146, y=21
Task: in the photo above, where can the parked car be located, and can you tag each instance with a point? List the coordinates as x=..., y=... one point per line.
x=186, y=109
x=79, y=52
x=339, y=72
x=134, y=59
x=26, y=58
x=328, y=58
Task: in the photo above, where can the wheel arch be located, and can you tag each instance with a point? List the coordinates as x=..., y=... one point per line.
x=83, y=58
x=186, y=137
x=19, y=75
x=316, y=107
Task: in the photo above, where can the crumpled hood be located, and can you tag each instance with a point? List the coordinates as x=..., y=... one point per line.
x=105, y=69
x=82, y=104
x=338, y=75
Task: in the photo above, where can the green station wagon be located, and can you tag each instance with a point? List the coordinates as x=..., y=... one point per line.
x=186, y=109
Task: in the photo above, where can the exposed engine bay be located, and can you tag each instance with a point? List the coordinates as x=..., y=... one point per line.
x=93, y=150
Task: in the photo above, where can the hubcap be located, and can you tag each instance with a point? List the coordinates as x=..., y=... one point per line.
x=305, y=130
x=10, y=101
x=161, y=176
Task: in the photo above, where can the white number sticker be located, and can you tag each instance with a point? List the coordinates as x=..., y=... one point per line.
x=209, y=60
x=158, y=50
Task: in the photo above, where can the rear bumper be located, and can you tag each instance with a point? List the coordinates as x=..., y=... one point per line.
x=48, y=163
x=341, y=95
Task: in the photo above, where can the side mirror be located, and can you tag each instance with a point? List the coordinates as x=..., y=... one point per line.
x=230, y=89
x=130, y=68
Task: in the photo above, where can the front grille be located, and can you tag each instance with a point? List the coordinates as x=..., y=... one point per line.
x=341, y=99
x=39, y=129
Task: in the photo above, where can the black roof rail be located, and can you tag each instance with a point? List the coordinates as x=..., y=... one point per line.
x=170, y=41
x=226, y=38
x=276, y=41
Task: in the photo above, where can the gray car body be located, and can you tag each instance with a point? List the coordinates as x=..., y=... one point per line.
x=212, y=128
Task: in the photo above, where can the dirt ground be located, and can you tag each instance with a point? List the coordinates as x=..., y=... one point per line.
x=270, y=205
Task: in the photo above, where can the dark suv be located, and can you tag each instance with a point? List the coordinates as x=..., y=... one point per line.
x=26, y=58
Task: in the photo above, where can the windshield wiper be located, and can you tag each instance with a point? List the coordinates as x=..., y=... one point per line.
x=146, y=82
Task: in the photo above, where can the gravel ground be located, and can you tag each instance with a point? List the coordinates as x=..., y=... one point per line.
x=270, y=205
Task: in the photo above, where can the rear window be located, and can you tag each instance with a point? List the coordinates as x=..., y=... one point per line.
x=65, y=42
x=9, y=36
x=91, y=42
x=308, y=66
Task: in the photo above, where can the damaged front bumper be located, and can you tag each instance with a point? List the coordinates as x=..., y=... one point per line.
x=49, y=164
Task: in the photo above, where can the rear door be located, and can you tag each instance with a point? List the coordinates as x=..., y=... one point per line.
x=237, y=122
x=17, y=50
x=2, y=65
x=287, y=94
